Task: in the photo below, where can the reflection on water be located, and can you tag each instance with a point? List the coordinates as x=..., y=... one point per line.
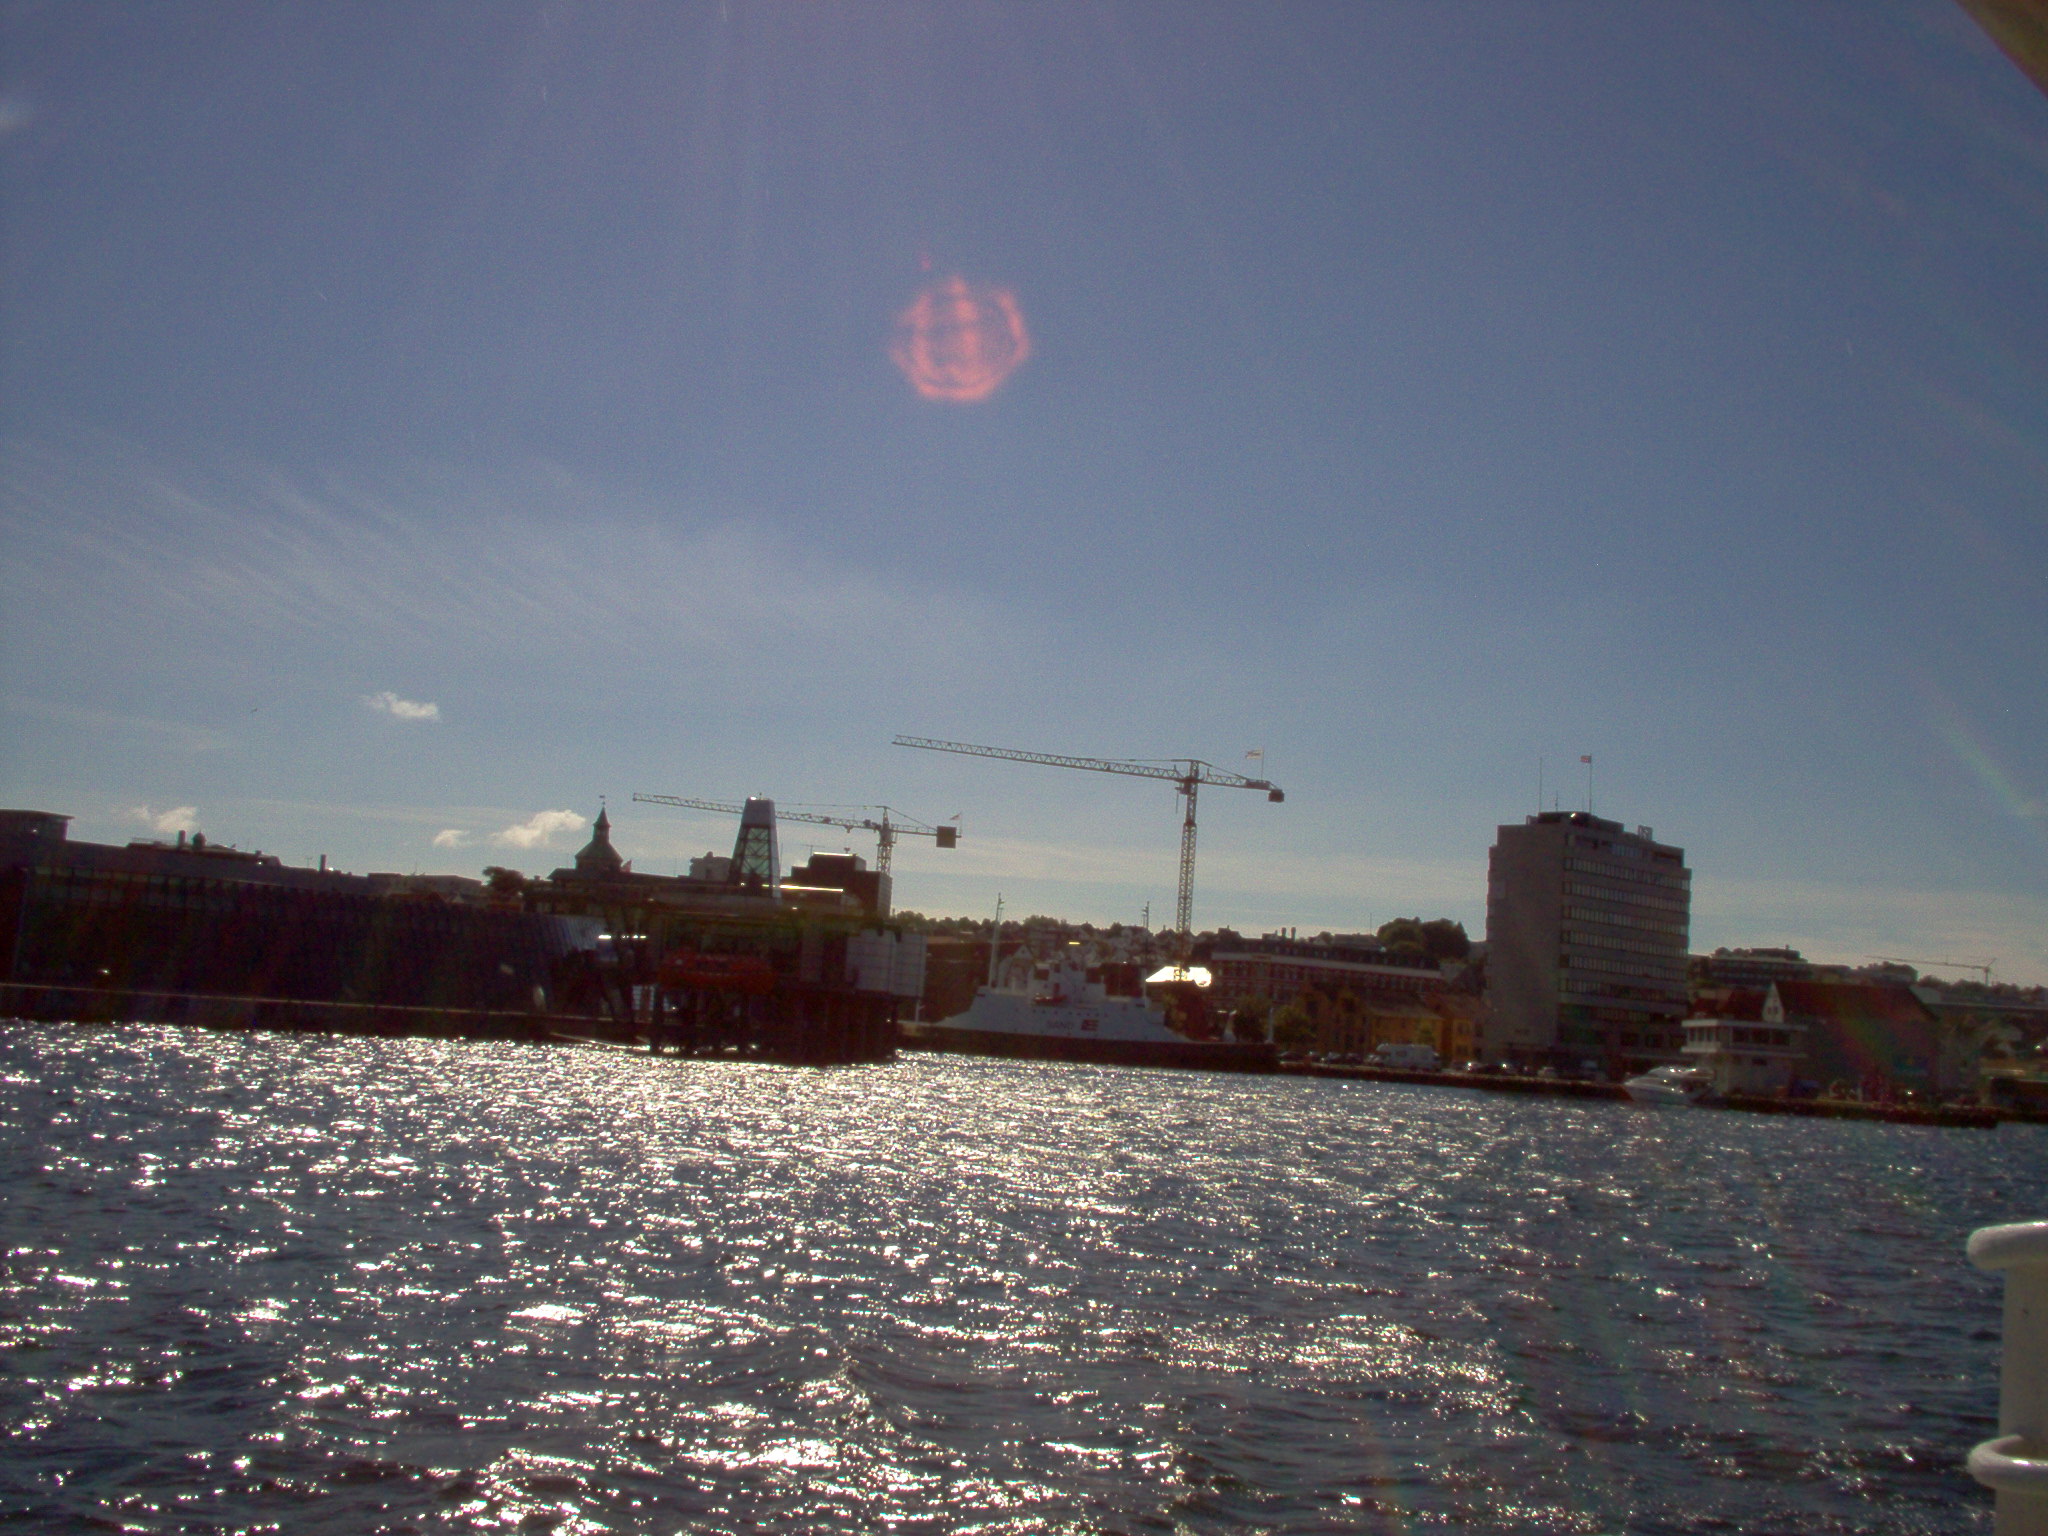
x=349, y=1285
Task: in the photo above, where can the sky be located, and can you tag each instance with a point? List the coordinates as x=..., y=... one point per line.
x=419, y=422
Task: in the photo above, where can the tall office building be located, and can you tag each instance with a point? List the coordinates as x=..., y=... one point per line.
x=1586, y=929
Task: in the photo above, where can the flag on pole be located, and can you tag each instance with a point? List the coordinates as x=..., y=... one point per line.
x=1586, y=759
x=1256, y=752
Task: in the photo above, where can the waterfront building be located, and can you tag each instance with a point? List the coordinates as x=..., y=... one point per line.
x=1586, y=928
x=192, y=930
x=1278, y=969
x=1985, y=1032
x=1755, y=968
x=1357, y=995
x=1741, y=1038
x=1859, y=1038
x=835, y=878
x=31, y=840
x=458, y=888
x=1874, y=1038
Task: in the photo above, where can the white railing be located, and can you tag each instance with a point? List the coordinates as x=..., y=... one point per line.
x=2016, y=1463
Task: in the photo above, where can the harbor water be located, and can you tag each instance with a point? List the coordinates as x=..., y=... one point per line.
x=309, y=1284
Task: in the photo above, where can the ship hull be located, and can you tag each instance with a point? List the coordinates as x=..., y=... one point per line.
x=1205, y=1055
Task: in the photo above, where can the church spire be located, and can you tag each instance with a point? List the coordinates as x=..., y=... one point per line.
x=599, y=858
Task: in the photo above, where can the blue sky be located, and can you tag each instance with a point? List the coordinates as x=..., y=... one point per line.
x=1415, y=392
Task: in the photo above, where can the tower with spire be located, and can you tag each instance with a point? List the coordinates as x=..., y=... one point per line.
x=598, y=859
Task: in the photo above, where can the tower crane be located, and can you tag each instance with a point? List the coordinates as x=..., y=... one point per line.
x=886, y=830
x=1186, y=774
x=1981, y=967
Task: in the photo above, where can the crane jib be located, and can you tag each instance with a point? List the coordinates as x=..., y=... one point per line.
x=886, y=830
x=1187, y=773
x=1182, y=771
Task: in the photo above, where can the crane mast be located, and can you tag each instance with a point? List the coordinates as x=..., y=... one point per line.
x=1187, y=774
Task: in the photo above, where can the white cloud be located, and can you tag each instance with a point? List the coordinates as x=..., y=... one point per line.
x=538, y=829
x=451, y=837
x=391, y=704
x=177, y=819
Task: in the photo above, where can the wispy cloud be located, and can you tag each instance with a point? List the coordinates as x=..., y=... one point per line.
x=537, y=830
x=567, y=567
x=391, y=704
x=178, y=819
x=179, y=735
x=451, y=837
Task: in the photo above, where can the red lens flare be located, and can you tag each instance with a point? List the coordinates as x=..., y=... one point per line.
x=959, y=340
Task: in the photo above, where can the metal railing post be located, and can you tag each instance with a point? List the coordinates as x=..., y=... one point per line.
x=2016, y=1463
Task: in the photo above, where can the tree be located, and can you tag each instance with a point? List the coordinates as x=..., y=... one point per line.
x=1437, y=940
x=1248, y=1023
x=1445, y=940
x=1294, y=1027
x=503, y=881
x=1403, y=938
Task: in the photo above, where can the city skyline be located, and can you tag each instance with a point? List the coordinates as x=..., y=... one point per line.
x=422, y=422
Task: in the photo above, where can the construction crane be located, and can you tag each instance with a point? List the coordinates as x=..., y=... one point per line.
x=1981, y=967
x=886, y=830
x=1186, y=774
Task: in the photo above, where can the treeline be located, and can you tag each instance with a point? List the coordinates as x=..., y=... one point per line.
x=1437, y=939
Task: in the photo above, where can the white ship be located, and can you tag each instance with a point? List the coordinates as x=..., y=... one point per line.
x=1067, y=1010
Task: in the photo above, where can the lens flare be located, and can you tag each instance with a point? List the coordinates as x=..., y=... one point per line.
x=959, y=340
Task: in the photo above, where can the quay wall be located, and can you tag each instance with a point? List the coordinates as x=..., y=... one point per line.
x=1968, y=1115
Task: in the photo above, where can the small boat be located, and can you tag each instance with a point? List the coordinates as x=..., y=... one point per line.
x=1676, y=1086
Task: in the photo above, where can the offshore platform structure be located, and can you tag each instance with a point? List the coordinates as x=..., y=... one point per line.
x=741, y=961
x=886, y=829
x=1186, y=774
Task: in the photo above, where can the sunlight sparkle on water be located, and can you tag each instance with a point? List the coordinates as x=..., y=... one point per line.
x=481, y=1285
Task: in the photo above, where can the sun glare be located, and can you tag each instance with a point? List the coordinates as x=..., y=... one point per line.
x=959, y=340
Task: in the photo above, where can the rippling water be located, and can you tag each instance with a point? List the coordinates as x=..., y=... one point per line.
x=300, y=1284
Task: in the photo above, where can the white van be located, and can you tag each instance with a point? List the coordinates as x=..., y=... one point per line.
x=1406, y=1058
